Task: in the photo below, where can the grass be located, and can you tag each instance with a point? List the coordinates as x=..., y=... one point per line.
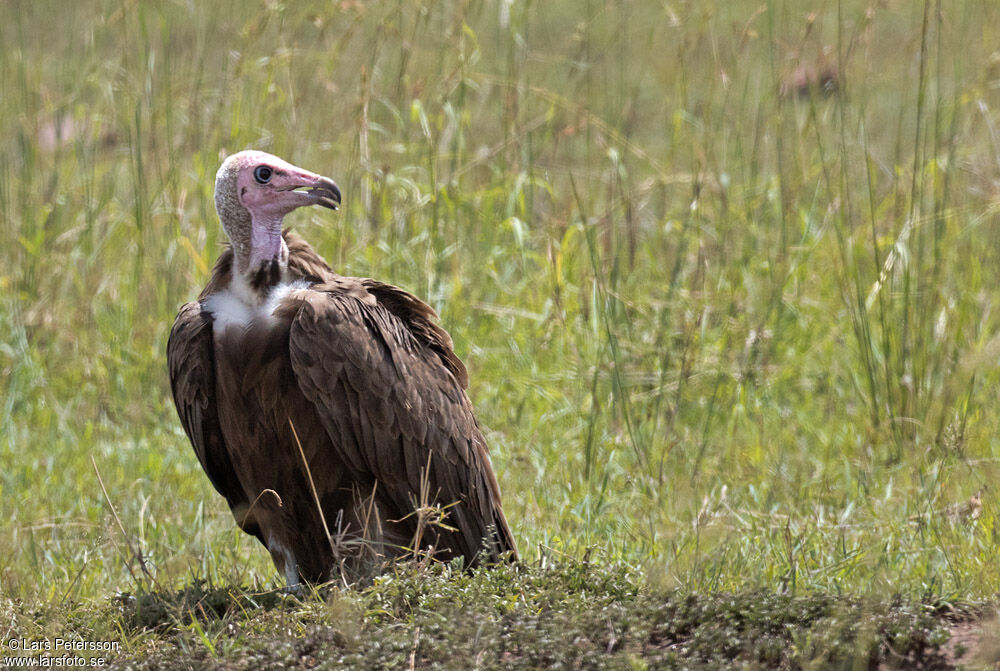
x=581, y=615
x=740, y=341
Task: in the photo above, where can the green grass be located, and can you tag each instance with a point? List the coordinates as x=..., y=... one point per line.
x=578, y=615
x=737, y=340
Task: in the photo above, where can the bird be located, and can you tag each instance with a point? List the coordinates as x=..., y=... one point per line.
x=329, y=411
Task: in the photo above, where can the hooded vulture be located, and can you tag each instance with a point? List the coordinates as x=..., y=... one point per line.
x=329, y=411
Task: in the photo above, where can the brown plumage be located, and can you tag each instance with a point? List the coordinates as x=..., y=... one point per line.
x=359, y=368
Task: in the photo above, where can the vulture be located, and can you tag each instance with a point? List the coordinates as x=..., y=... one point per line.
x=329, y=411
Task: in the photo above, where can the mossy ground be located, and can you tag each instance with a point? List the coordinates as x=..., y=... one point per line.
x=575, y=615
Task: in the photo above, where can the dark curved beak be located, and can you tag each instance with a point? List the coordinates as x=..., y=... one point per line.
x=317, y=189
x=325, y=192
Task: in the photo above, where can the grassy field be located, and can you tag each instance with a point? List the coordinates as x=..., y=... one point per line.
x=738, y=337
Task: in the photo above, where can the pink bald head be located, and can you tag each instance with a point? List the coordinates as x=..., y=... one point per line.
x=253, y=193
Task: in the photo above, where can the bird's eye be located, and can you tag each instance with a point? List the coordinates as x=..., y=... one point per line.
x=262, y=174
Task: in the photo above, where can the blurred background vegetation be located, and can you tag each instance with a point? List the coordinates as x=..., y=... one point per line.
x=725, y=273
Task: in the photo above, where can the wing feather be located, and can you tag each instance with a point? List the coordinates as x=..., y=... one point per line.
x=190, y=360
x=394, y=396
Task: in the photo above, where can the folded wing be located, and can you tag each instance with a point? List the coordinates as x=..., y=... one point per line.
x=389, y=391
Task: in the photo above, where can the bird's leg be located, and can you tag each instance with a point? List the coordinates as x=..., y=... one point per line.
x=284, y=560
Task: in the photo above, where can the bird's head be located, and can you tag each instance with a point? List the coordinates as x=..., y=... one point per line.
x=253, y=193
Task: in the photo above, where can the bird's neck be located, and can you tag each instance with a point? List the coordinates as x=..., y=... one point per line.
x=266, y=243
x=260, y=259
